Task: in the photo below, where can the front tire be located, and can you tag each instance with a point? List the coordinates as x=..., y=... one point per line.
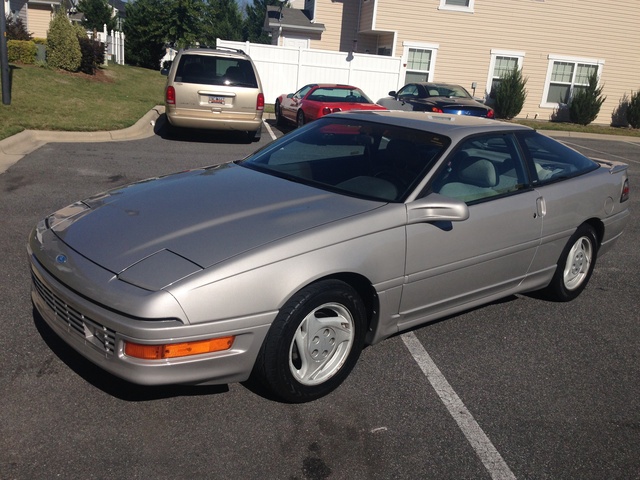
x=313, y=343
x=279, y=117
x=575, y=265
x=300, y=120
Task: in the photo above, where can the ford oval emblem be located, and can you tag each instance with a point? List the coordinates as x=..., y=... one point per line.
x=61, y=259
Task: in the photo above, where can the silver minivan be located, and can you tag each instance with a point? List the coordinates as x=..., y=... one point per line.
x=217, y=89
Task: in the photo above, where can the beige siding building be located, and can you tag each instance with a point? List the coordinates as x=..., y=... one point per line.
x=557, y=44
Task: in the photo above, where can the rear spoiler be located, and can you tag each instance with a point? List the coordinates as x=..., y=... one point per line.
x=614, y=167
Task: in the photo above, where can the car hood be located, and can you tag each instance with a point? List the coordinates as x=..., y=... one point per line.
x=195, y=219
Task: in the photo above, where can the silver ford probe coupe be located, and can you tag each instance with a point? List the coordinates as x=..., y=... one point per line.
x=282, y=266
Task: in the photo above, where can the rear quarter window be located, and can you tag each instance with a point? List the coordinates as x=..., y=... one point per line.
x=552, y=160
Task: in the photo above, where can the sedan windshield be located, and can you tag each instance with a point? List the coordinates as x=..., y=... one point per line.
x=353, y=157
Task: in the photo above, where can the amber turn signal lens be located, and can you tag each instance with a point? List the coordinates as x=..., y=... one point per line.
x=175, y=350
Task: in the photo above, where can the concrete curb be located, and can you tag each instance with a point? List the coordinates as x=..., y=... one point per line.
x=12, y=149
x=596, y=136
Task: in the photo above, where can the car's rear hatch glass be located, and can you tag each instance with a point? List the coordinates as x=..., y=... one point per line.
x=212, y=70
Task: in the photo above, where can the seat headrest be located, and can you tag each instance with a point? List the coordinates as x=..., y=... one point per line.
x=477, y=171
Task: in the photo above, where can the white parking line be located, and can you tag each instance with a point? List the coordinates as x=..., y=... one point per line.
x=483, y=447
x=273, y=135
x=624, y=159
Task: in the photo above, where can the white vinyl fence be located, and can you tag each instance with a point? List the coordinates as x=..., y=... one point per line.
x=113, y=45
x=286, y=69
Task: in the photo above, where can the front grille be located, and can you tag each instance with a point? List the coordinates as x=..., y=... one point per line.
x=98, y=335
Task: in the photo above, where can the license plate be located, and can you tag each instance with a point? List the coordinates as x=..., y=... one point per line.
x=216, y=100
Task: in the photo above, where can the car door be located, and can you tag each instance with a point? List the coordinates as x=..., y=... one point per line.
x=291, y=103
x=451, y=266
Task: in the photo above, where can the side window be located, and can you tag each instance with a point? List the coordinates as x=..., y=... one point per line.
x=482, y=167
x=552, y=160
x=408, y=91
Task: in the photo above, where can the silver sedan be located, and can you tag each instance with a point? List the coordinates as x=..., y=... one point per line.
x=282, y=266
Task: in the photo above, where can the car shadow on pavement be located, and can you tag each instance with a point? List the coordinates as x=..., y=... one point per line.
x=163, y=129
x=109, y=383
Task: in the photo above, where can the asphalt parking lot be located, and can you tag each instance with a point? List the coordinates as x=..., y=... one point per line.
x=521, y=388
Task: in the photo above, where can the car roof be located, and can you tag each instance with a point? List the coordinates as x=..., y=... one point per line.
x=443, y=84
x=333, y=85
x=234, y=53
x=452, y=126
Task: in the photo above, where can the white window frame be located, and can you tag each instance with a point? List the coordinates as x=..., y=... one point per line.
x=495, y=53
x=433, y=47
x=598, y=63
x=456, y=8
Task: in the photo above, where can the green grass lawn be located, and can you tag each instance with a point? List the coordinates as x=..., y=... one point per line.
x=45, y=99
x=118, y=96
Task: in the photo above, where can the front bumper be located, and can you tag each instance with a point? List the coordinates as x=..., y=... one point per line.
x=99, y=334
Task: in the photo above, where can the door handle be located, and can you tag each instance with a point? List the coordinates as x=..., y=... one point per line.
x=541, y=207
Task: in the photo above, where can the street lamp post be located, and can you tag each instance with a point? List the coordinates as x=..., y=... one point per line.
x=4, y=57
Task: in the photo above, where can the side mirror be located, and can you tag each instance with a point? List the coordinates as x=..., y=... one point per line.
x=437, y=208
x=393, y=94
x=290, y=95
x=164, y=71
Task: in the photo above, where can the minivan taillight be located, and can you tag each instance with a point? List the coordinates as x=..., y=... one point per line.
x=170, y=96
x=491, y=113
x=260, y=102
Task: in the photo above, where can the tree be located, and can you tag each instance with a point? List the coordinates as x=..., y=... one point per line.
x=510, y=94
x=585, y=105
x=153, y=24
x=97, y=13
x=633, y=110
x=145, y=33
x=184, y=22
x=222, y=19
x=63, y=47
x=254, y=21
x=16, y=29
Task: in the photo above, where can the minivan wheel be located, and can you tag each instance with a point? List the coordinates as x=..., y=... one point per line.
x=254, y=136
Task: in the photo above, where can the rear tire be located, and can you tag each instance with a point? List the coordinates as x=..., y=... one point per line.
x=313, y=343
x=575, y=265
x=254, y=136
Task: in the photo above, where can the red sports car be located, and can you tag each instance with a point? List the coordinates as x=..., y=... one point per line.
x=313, y=101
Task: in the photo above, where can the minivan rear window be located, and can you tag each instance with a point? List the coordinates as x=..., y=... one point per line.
x=211, y=70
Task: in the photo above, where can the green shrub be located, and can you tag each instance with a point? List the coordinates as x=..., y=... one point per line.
x=23, y=51
x=63, y=47
x=633, y=110
x=92, y=55
x=510, y=94
x=585, y=105
x=16, y=29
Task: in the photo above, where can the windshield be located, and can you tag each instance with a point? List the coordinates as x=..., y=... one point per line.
x=339, y=95
x=368, y=160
